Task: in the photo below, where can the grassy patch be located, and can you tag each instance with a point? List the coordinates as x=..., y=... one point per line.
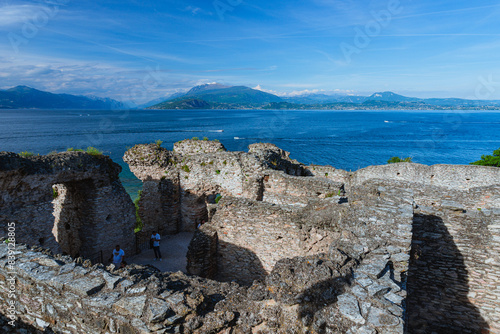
x=186, y=168
x=26, y=154
x=398, y=159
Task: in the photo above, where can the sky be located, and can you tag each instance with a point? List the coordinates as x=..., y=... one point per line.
x=136, y=51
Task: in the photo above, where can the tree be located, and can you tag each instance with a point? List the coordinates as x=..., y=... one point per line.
x=489, y=160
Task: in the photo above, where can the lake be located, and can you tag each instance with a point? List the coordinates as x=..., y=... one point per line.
x=344, y=139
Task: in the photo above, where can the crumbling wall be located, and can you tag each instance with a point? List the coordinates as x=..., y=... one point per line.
x=458, y=177
x=284, y=189
x=199, y=170
x=69, y=202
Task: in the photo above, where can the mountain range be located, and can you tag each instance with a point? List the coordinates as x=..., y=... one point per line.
x=23, y=97
x=218, y=96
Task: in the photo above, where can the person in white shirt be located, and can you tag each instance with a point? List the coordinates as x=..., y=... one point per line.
x=156, y=245
x=118, y=256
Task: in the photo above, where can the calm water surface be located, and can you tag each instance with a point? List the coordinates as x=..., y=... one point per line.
x=344, y=139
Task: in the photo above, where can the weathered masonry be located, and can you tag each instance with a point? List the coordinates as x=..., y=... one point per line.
x=401, y=248
x=69, y=202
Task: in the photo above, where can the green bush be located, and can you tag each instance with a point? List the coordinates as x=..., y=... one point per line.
x=195, y=138
x=158, y=143
x=71, y=149
x=217, y=172
x=186, y=168
x=205, y=138
x=489, y=160
x=54, y=193
x=398, y=159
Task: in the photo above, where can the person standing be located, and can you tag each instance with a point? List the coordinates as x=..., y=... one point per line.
x=118, y=256
x=156, y=245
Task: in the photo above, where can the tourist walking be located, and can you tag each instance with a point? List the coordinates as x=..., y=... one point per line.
x=156, y=245
x=118, y=256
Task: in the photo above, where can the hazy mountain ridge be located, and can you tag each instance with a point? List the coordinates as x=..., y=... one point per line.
x=23, y=97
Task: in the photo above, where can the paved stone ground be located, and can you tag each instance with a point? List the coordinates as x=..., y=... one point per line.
x=173, y=251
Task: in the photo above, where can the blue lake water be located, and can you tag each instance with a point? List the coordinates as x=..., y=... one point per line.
x=344, y=139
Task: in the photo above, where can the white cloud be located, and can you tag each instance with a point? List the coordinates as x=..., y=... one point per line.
x=20, y=14
x=305, y=92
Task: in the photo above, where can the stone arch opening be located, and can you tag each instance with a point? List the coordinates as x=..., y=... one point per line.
x=74, y=223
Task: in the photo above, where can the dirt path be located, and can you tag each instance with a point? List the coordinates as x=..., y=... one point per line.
x=173, y=250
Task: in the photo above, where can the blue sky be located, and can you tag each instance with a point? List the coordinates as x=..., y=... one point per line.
x=137, y=51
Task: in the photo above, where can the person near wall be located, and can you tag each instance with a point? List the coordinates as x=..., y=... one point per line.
x=156, y=245
x=118, y=256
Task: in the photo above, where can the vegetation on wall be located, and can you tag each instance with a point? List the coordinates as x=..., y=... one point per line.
x=489, y=160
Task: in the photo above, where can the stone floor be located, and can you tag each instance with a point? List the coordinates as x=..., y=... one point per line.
x=173, y=249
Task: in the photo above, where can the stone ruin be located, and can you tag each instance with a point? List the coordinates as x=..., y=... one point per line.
x=289, y=248
x=71, y=202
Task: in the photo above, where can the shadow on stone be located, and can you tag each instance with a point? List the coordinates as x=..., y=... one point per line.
x=20, y=327
x=438, y=283
x=314, y=284
x=235, y=263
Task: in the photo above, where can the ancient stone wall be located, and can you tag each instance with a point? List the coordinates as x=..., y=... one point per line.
x=277, y=208
x=198, y=170
x=458, y=177
x=284, y=189
x=69, y=202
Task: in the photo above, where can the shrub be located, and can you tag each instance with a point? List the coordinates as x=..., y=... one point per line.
x=54, y=193
x=195, y=138
x=26, y=154
x=217, y=172
x=398, y=159
x=138, y=220
x=158, y=143
x=205, y=138
x=93, y=151
x=329, y=195
x=186, y=168
x=489, y=160
x=217, y=198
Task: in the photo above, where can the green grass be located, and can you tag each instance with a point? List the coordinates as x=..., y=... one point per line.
x=90, y=150
x=186, y=168
x=55, y=194
x=217, y=172
x=158, y=143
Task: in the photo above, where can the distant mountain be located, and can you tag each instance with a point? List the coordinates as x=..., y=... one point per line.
x=207, y=87
x=324, y=98
x=235, y=97
x=183, y=104
x=390, y=97
x=23, y=97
